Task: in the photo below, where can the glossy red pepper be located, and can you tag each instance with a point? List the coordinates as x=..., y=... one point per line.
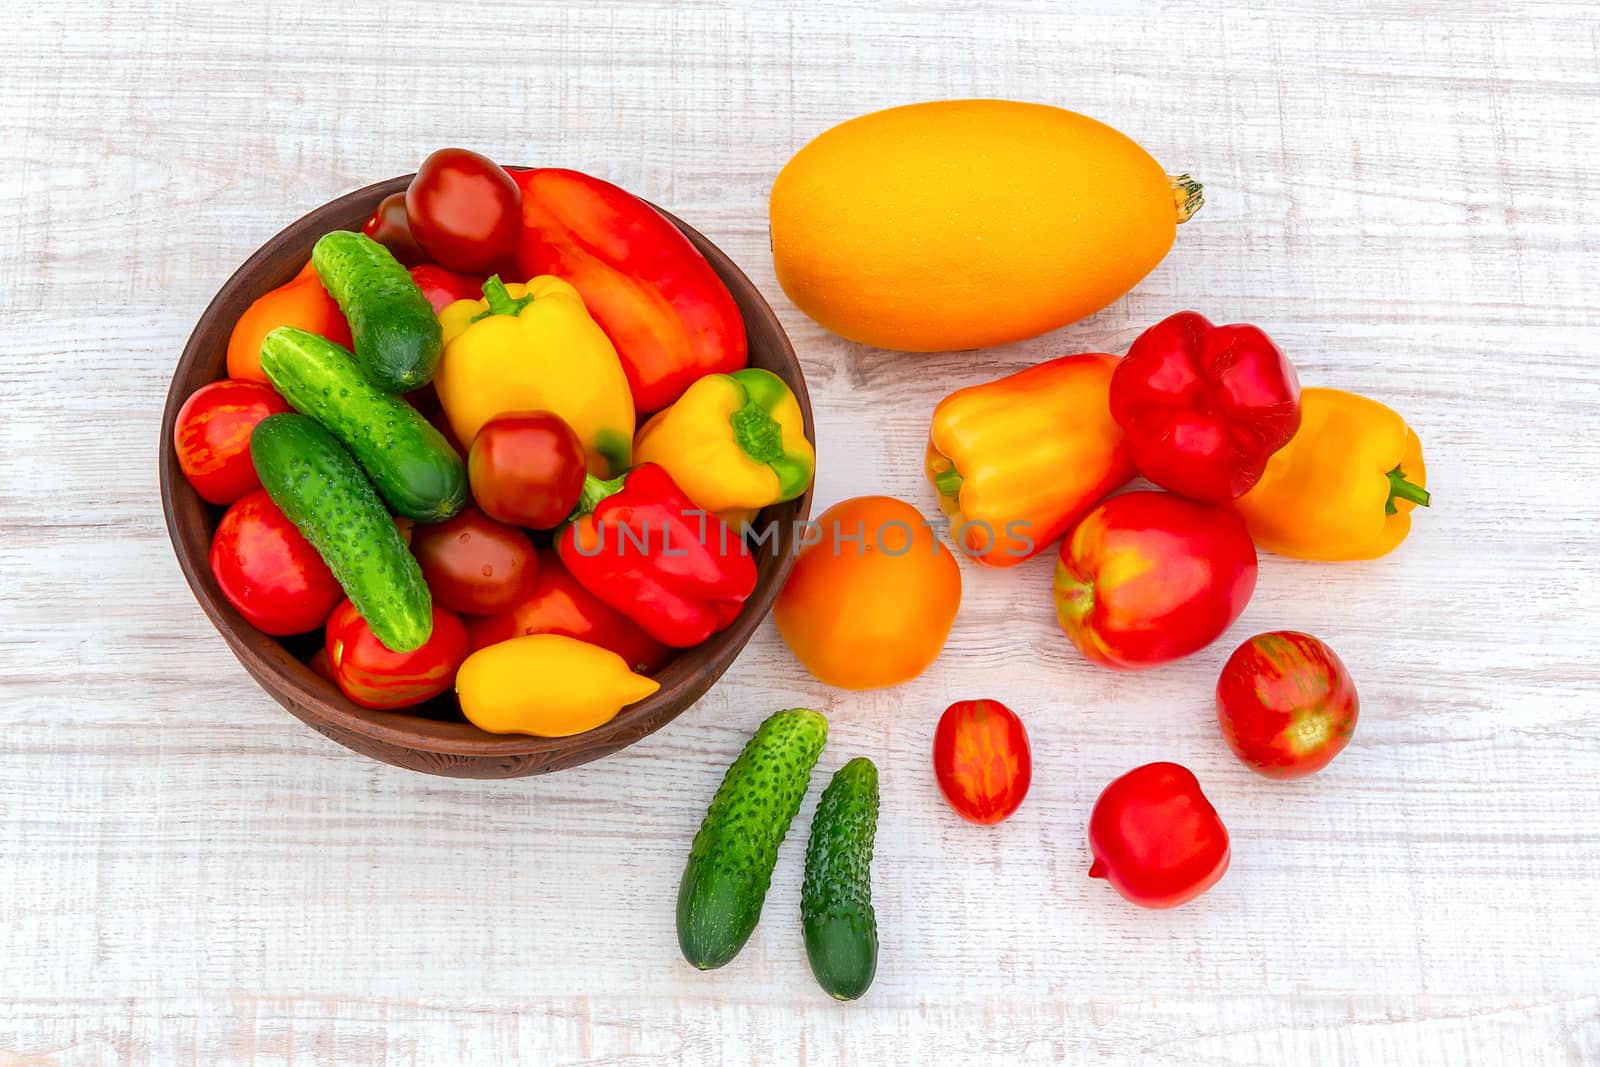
x=641, y=546
x=1204, y=406
x=669, y=316
x=444, y=287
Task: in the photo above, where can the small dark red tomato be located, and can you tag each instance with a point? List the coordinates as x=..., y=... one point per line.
x=390, y=228
x=444, y=287
x=212, y=436
x=527, y=468
x=374, y=677
x=1286, y=704
x=268, y=571
x=1156, y=838
x=982, y=760
x=464, y=210
x=473, y=564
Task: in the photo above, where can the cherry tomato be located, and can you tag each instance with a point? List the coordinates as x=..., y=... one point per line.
x=1156, y=838
x=982, y=760
x=390, y=228
x=474, y=564
x=871, y=601
x=269, y=571
x=557, y=604
x=374, y=677
x=302, y=302
x=212, y=436
x=444, y=287
x=464, y=210
x=527, y=468
x=1286, y=704
x=1146, y=578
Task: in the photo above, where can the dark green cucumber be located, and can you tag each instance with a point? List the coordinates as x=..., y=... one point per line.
x=730, y=865
x=836, y=901
x=322, y=490
x=396, y=333
x=415, y=469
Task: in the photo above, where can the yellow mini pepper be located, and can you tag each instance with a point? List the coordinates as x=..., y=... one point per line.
x=534, y=347
x=547, y=685
x=734, y=443
x=1343, y=487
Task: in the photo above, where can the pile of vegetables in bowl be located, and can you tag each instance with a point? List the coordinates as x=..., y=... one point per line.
x=501, y=433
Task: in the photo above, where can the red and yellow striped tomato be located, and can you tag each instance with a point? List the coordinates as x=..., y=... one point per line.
x=1146, y=578
x=1286, y=704
x=982, y=760
x=374, y=677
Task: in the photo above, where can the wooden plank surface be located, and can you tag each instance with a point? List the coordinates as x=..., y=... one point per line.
x=1402, y=196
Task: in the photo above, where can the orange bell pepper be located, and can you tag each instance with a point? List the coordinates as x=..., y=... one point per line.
x=1343, y=487
x=1020, y=459
x=302, y=302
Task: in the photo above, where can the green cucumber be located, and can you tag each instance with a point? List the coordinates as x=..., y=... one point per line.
x=321, y=489
x=836, y=901
x=396, y=333
x=415, y=469
x=730, y=865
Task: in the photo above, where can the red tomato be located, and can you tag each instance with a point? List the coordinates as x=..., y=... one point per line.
x=464, y=210
x=527, y=468
x=390, y=228
x=557, y=604
x=982, y=760
x=444, y=287
x=1146, y=578
x=269, y=571
x=374, y=677
x=474, y=564
x=319, y=664
x=212, y=436
x=1156, y=838
x=1286, y=704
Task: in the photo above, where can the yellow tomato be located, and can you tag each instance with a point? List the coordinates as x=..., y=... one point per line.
x=546, y=685
x=870, y=602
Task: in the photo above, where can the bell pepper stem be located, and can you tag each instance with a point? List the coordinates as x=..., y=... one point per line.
x=1188, y=196
x=757, y=432
x=1401, y=489
x=594, y=491
x=948, y=482
x=500, y=301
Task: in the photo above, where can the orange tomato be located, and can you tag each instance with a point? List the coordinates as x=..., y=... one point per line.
x=872, y=597
x=302, y=302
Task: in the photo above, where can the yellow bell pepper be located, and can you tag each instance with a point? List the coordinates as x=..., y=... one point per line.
x=1343, y=487
x=734, y=443
x=534, y=347
x=547, y=685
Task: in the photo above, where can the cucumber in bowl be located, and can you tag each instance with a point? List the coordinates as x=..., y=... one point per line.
x=416, y=470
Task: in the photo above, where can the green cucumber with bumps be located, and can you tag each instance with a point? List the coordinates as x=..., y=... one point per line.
x=320, y=488
x=415, y=468
x=397, y=336
x=841, y=930
x=730, y=864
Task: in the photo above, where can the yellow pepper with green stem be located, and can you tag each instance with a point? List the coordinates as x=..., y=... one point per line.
x=534, y=347
x=1343, y=487
x=734, y=443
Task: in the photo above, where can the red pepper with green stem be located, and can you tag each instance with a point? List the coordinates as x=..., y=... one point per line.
x=641, y=546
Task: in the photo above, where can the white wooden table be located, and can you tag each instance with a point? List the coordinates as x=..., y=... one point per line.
x=1405, y=200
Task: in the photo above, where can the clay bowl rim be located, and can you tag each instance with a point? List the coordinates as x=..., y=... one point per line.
x=687, y=678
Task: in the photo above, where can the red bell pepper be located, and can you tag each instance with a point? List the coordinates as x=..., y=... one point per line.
x=1204, y=406
x=641, y=546
x=667, y=313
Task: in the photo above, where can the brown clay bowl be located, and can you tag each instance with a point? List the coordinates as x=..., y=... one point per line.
x=434, y=738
